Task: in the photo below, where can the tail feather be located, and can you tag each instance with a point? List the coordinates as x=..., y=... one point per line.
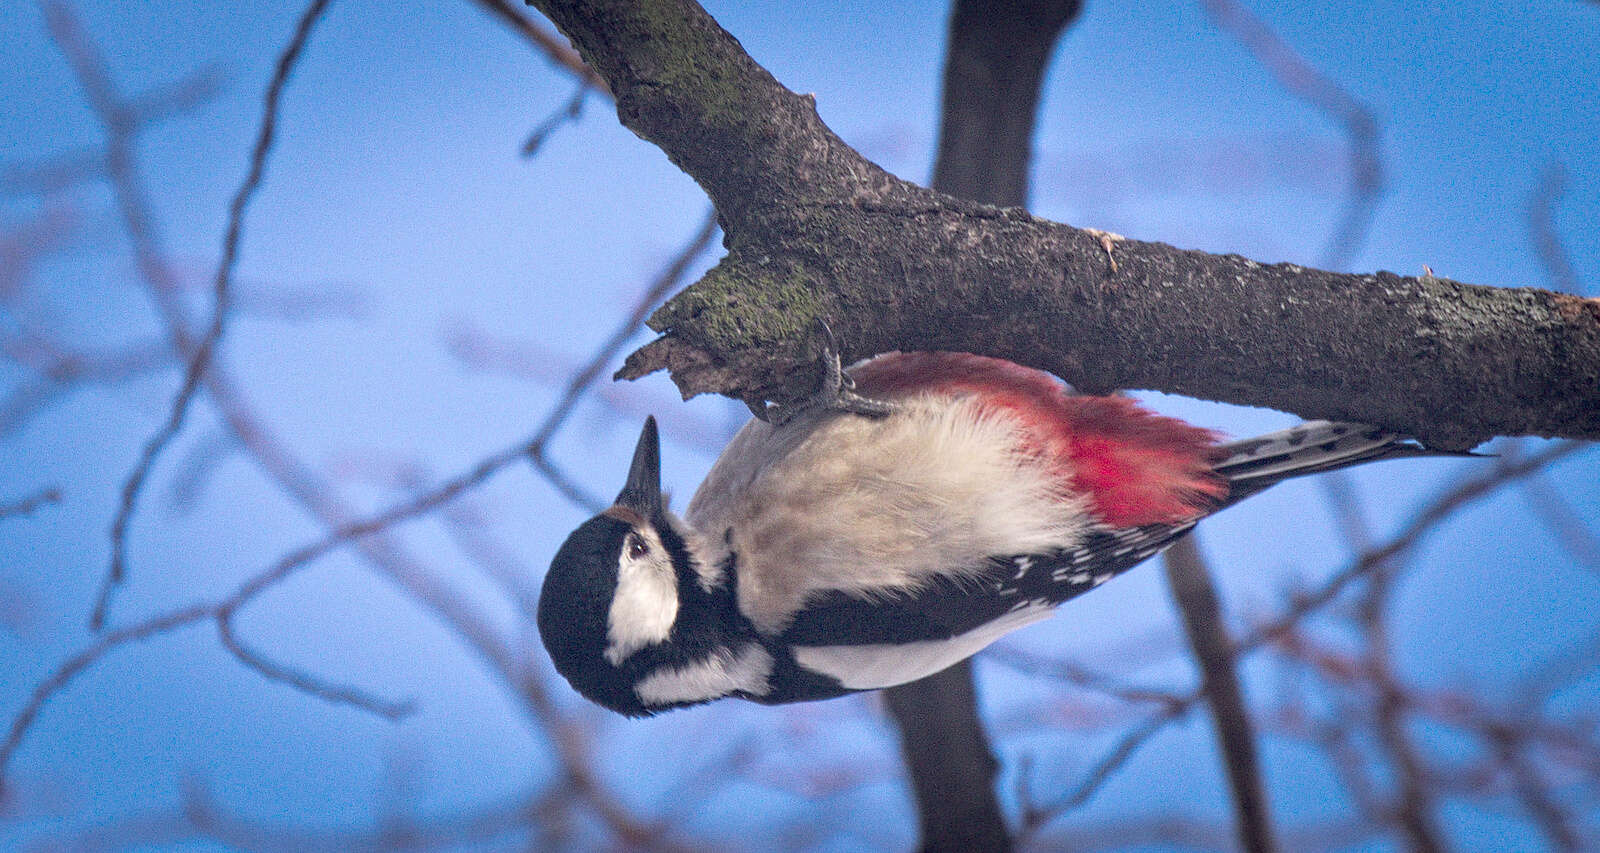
x=1310, y=448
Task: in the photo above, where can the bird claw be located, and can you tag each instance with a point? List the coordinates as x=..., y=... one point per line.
x=836, y=394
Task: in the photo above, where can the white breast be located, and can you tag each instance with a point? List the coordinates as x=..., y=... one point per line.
x=843, y=502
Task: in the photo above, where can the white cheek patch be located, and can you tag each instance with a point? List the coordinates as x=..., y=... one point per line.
x=646, y=601
x=724, y=672
x=869, y=667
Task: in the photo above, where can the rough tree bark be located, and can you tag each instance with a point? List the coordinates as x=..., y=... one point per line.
x=815, y=231
x=995, y=60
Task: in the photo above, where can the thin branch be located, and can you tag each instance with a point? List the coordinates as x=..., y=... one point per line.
x=392, y=710
x=302, y=484
x=1415, y=808
x=27, y=505
x=1016, y=659
x=1424, y=523
x=48, y=177
x=571, y=111
x=58, y=369
x=1547, y=245
x=584, y=379
x=1175, y=831
x=1036, y=816
x=1572, y=742
x=201, y=354
x=1195, y=595
x=1533, y=793
x=228, y=608
x=72, y=667
x=535, y=362
x=195, y=468
x=195, y=89
x=1305, y=82
x=1336, y=736
x=201, y=817
x=551, y=45
x=1564, y=523
x=1558, y=670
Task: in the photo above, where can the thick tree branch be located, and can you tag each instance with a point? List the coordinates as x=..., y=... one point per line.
x=816, y=231
x=949, y=762
x=993, y=68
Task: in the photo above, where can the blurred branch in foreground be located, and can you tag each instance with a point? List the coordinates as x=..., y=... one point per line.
x=93, y=76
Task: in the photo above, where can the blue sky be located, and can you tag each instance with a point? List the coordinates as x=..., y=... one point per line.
x=396, y=191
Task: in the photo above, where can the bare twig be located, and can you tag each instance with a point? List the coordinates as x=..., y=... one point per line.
x=201, y=817
x=200, y=355
x=225, y=610
x=305, y=682
x=194, y=468
x=1195, y=595
x=1360, y=123
x=1547, y=245
x=1559, y=518
x=583, y=380
x=24, y=244
x=195, y=89
x=1010, y=656
x=75, y=665
x=27, y=505
x=535, y=362
x=553, y=46
x=53, y=175
x=1572, y=743
x=1415, y=810
x=571, y=111
x=1174, y=831
x=301, y=483
x=48, y=177
x=57, y=369
x=1511, y=738
x=1035, y=816
x=1336, y=735
x=1424, y=523
x=1532, y=791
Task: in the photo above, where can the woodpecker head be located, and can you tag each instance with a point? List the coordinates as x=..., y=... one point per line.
x=612, y=590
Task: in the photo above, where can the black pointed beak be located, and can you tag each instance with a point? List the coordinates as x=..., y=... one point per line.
x=642, y=494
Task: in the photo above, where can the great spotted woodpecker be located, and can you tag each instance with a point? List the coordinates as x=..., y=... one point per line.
x=848, y=547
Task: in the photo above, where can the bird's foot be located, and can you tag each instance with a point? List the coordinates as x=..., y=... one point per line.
x=836, y=393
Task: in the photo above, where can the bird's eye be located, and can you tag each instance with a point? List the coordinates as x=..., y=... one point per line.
x=637, y=547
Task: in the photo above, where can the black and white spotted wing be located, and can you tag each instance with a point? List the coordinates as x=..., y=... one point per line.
x=950, y=607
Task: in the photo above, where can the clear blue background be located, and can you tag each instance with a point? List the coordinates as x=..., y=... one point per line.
x=397, y=189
